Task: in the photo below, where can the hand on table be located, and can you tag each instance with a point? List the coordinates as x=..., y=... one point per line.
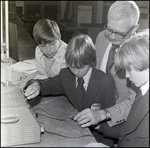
x=89, y=117
x=32, y=91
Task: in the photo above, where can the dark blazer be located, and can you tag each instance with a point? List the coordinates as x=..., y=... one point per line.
x=135, y=132
x=100, y=88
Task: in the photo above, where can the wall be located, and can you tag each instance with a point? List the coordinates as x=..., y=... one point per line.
x=20, y=4
x=99, y=12
x=63, y=7
x=100, y=9
x=144, y=14
x=95, y=8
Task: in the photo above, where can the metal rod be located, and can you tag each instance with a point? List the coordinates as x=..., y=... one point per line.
x=7, y=28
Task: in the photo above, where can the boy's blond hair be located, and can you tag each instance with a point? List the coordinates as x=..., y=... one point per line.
x=134, y=53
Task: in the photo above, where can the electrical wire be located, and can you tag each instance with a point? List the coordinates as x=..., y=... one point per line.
x=56, y=118
x=50, y=116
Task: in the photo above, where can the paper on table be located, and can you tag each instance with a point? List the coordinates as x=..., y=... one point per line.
x=26, y=65
x=33, y=61
x=24, y=70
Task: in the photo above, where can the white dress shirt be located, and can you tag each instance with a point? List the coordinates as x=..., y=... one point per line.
x=86, y=79
x=144, y=88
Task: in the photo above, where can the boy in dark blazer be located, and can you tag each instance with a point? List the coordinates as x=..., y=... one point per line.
x=80, y=59
x=134, y=58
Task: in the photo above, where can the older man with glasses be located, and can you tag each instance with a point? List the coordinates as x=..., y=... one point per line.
x=122, y=23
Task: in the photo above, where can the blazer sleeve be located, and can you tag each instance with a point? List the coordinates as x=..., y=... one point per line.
x=120, y=111
x=110, y=132
x=51, y=86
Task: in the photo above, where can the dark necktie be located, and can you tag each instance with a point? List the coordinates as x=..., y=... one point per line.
x=111, y=58
x=138, y=94
x=137, y=98
x=80, y=91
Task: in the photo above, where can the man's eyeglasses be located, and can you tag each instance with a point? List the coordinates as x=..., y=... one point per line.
x=109, y=32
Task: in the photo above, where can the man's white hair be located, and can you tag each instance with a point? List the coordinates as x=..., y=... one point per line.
x=121, y=10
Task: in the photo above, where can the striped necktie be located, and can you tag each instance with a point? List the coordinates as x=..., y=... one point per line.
x=111, y=58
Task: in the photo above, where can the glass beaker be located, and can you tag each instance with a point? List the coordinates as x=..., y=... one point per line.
x=3, y=52
x=6, y=72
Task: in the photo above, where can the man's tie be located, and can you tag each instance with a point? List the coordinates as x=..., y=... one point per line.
x=111, y=58
x=80, y=91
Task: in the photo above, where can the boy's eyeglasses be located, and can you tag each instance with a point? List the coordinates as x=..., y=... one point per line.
x=109, y=32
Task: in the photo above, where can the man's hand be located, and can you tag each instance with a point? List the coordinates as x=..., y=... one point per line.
x=89, y=117
x=32, y=91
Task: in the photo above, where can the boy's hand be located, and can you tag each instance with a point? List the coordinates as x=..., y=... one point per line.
x=89, y=117
x=32, y=91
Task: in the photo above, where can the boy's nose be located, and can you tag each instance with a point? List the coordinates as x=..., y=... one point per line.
x=48, y=49
x=76, y=71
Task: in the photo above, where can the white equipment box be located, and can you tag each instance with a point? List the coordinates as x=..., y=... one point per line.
x=18, y=123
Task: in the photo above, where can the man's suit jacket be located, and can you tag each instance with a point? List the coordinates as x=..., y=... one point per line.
x=135, y=132
x=125, y=94
x=100, y=88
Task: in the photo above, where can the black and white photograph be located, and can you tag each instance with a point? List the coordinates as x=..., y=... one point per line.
x=75, y=74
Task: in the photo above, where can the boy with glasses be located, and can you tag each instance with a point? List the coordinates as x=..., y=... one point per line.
x=50, y=50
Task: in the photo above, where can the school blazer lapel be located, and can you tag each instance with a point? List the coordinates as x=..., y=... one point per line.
x=92, y=89
x=70, y=89
x=138, y=114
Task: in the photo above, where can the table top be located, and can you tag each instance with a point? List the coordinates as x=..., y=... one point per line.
x=60, y=133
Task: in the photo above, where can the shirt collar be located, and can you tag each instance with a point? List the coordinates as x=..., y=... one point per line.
x=88, y=75
x=59, y=53
x=117, y=48
x=145, y=88
x=86, y=78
